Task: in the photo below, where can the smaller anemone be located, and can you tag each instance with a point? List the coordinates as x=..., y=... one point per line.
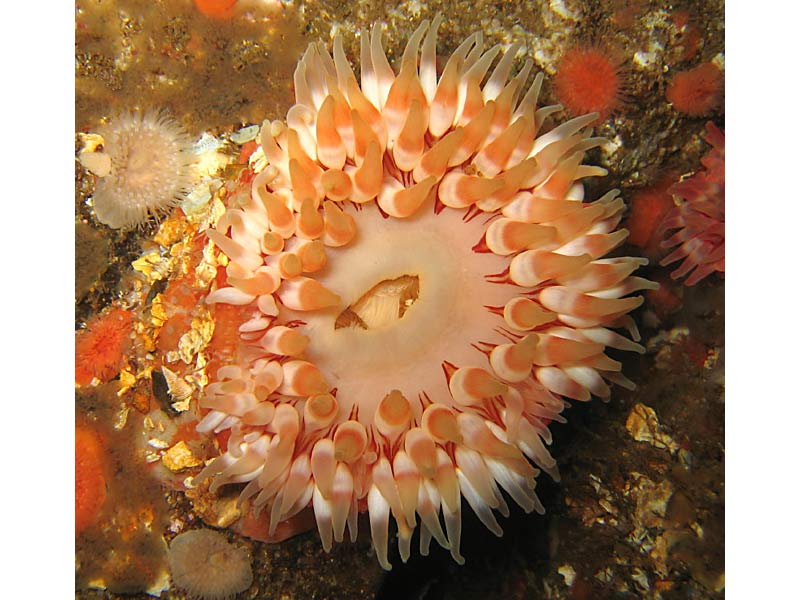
x=698, y=91
x=149, y=168
x=204, y=564
x=698, y=220
x=590, y=79
x=101, y=347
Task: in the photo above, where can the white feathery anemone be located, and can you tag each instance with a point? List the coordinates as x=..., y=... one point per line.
x=151, y=168
x=426, y=287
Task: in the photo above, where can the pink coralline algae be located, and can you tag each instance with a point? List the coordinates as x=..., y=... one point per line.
x=698, y=221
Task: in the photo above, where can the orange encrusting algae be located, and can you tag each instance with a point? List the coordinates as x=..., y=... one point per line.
x=226, y=345
x=100, y=348
x=90, y=484
x=173, y=329
x=589, y=80
x=179, y=301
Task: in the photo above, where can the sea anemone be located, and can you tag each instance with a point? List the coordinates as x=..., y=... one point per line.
x=100, y=348
x=422, y=287
x=699, y=217
x=697, y=91
x=589, y=79
x=150, y=170
x=203, y=563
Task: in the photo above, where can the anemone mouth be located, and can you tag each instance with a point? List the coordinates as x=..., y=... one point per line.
x=382, y=306
x=425, y=305
x=425, y=284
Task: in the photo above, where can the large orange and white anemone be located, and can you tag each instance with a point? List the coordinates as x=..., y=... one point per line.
x=426, y=287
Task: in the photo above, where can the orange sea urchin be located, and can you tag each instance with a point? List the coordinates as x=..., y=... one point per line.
x=425, y=287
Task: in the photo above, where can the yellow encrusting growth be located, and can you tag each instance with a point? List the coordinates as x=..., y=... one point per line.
x=427, y=286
